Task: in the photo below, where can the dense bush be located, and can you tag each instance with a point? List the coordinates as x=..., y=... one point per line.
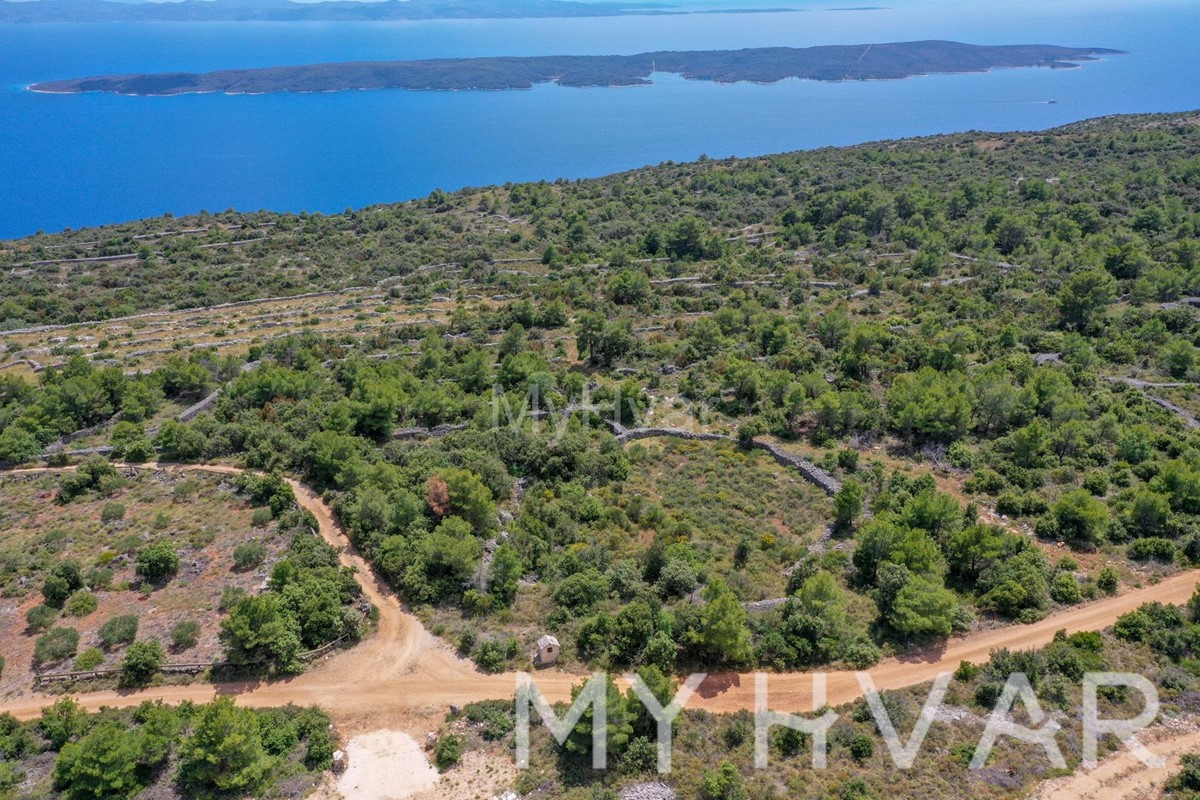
x=89, y=659
x=185, y=635
x=39, y=618
x=222, y=751
x=494, y=655
x=118, y=631
x=249, y=556
x=141, y=663
x=81, y=603
x=57, y=645
x=448, y=751
x=1153, y=548
x=157, y=561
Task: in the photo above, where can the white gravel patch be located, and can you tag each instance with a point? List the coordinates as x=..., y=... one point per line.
x=385, y=765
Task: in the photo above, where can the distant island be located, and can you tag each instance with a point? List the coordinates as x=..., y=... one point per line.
x=329, y=10
x=760, y=65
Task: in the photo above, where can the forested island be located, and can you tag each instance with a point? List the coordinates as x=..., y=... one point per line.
x=760, y=65
x=343, y=10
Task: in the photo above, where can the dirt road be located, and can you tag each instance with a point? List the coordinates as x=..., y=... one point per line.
x=404, y=678
x=1122, y=776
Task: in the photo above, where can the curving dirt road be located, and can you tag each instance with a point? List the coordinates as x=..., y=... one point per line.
x=403, y=677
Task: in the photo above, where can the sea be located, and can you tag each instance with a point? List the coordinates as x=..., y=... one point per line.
x=68, y=161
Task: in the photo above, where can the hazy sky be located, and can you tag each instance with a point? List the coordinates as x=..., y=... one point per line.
x=680, y=4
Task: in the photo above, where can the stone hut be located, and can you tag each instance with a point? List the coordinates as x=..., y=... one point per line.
x=547, y=651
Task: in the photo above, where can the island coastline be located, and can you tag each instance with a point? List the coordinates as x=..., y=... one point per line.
x=827, y=63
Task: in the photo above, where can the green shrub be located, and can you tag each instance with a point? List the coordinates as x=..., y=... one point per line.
x=735, y=733
x=848, y=505
x=789, y=741
x=723, y=784
x=185, y=635
x=65, y=578
x=112, y=512
x=82, y=603
x=862, y=747
x=9, y=777
x=39, y=618
x=94, y=473
x=966, y=672
x=280, y=736
x=987, y=694
x=1108, y=581
x=262, y=517
x=319, y=756
x=1065, y=589
x=640, y=757
x=249, y=556
x=862, y=654
x=230, y=596
x=961, y=455
x=1096, y=483
x=493, y=656
x=1147, y=621
x=678, y=579
x=855, y=789
x=224, y=755
x=1046, y=528
x=89, y=659
x=1186, y=782
x=1189, y=548
x=1028, y=616
x=1087, y=641
x=1020, y=504
x=448, y=751
x=139, y=451
x=1080, y=518
x=1163, y=550
x=495, y=717
x=142, y=661
x=985, y=481
x=57, y=645
x=99, y=578
x=962, y=753
x=62, y=721
x=55, y=591
x=118, y=631
x=157, y=561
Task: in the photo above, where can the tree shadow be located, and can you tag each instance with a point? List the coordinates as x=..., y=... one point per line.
x=927, y=653
x=719, y=683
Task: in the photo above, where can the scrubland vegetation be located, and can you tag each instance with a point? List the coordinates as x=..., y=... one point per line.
x=201, y=751
x=86, y=589
x=988, y=341
x=713, y=755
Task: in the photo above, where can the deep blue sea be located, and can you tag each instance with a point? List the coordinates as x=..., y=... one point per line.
x=75, y=160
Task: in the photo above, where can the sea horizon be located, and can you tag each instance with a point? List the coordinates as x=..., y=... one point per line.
x=69, y=161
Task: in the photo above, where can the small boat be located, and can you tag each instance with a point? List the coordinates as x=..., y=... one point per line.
x=1051, y=102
